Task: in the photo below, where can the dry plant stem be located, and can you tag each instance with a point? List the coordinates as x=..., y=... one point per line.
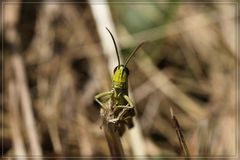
x=54, y=135
x=181, y=139
x=143, y=90
x=18, y=143
x=26, y=105
x=103, y=18
x=86, y=147
x=113, y=140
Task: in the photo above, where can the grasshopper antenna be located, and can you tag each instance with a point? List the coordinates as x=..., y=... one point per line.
x=131, y=55
x=115, y=46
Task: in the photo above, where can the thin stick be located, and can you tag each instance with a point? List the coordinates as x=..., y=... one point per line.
x=26, y=105
x=18, y=143
x=181, y=139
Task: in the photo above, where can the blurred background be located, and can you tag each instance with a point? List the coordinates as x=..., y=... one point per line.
x=58, y=56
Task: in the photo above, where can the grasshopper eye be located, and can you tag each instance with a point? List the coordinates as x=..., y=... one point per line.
x=115, y=69
x=127, y=71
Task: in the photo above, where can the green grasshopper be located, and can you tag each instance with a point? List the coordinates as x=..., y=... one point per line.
x=116, y=106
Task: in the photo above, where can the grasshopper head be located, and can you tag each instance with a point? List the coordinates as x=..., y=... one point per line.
x=120, y=74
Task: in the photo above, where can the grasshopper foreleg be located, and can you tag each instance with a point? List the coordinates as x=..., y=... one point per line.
x=101, y=95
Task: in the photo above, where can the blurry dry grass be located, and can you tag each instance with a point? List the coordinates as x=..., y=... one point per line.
x=54, y=65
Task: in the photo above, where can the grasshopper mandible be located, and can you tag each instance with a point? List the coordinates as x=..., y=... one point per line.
x=117, y=107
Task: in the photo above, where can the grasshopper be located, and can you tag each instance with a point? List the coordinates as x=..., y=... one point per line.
x=116, y=106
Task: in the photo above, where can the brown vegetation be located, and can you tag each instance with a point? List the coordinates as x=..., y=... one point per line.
x=57, y=57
